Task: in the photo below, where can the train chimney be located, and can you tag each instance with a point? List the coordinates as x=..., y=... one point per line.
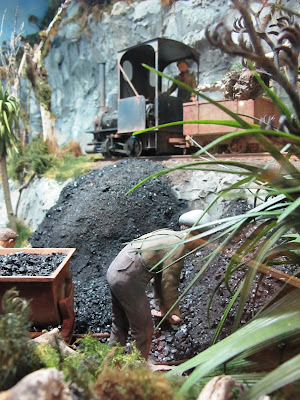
x=102, y=84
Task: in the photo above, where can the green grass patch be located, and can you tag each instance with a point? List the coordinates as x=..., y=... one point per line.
x=37, y=158
x=24, y=233
x=70, y=167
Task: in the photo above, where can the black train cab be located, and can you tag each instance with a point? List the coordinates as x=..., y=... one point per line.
x=142, y=103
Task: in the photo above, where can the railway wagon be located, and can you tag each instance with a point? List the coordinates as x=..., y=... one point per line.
x=140, y=103
x=200, y=134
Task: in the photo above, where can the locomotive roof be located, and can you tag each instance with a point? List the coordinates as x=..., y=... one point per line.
x=169, y=51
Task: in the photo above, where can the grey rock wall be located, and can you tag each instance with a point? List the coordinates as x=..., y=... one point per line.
x=73, y=62
x=33, y=202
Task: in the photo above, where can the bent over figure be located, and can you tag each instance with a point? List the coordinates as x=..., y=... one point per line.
x=157, y=255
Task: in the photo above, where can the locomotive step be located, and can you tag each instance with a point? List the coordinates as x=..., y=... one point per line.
x=177, y=140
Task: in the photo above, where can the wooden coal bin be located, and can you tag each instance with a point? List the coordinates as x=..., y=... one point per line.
x=51, y=297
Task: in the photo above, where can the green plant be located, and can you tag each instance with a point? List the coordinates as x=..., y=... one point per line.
x=137, y=383
x=16, y=348
x=69, y=166
x=32, y=159
x=91, y=357
x=24, y=233
x=44, y=93
x=9, y=114
x=37, y=158
x=276, y=323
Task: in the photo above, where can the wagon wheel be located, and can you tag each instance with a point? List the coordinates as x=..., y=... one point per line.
x=133, y=147
x=212, y=150
x=237, y=146
x=106, y=149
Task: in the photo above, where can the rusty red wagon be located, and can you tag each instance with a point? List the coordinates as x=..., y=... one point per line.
x=51, y=297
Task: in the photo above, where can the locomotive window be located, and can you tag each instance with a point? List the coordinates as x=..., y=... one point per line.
x=152, y=77
x=127, y=66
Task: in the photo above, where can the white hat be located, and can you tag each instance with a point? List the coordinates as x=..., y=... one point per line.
x=192, y=217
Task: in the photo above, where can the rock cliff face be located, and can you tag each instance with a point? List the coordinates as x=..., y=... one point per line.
x=73, y=62
x=80, y=45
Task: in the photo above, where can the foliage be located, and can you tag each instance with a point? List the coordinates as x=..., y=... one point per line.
x=137, y=383
x=11, y=53
x=95, y=368
x=48, y=356
x=34, y=158
x=9, y=113
x=276, y=323
x=90, y=359
x=44, y=92
x=16, y=349
x=37, y=158
x=24, y=232
x=70, y=167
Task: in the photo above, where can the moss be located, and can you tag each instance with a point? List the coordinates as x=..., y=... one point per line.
x=44, y=94
x=137, y=383
x=17, y=350
x=48, y=355
x=24, y=232
x=48, y=40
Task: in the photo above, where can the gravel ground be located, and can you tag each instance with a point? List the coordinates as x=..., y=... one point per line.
x=94, y=215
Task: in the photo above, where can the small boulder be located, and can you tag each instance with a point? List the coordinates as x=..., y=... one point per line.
x=44, y=384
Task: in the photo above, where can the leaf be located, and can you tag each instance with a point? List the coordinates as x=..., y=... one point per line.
x=289, y=210
x=228, y=308
x=280, y=320
x=286, y=373
x=6, y=121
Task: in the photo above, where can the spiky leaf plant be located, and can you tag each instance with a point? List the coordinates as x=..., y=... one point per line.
x=275, y=215
x=279, y=321
x=9, y=115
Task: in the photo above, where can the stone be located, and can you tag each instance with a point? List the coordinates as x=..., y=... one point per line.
x=55, y=340
x=194, y=217
x=43, y=384
x=220, y=388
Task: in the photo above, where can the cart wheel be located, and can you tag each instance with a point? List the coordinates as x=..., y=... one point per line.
x=133, y=147
x=106, y=148
x=237, y=146
x=212, y=150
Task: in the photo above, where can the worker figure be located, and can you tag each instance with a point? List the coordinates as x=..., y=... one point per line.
x=157, y=255
x=185, y=77
x=8, y=238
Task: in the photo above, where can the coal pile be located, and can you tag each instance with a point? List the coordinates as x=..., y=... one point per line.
x=26, y=264
x=95, y=216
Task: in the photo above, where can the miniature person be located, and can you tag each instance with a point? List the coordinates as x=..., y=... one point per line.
x=185, y=77
x=8, y=238
x=157, y=255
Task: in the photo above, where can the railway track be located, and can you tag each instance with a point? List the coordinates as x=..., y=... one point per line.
x=240, y=156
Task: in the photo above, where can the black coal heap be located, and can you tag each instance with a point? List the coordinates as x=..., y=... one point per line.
x=94, y=215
